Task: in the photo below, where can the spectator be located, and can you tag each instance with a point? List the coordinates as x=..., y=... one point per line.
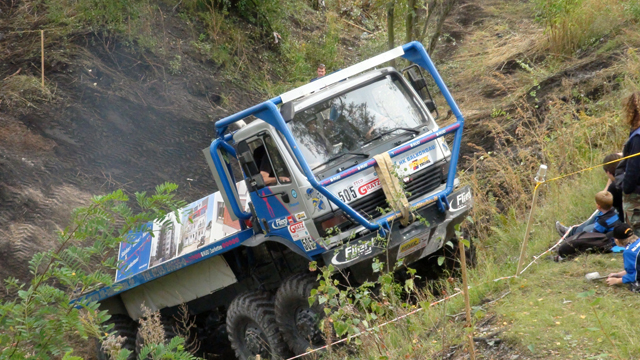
x=604, y=221
x=322, y=71
x=612, y=187
x=631, y=167
x=624, y=237
x=592, y=234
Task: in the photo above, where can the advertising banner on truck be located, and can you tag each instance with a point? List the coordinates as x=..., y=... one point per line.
x=133, y=256
x=198, y=224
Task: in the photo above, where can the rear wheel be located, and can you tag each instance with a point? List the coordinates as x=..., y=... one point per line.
x=123, y=326
x=299, y=322
x=252, y=327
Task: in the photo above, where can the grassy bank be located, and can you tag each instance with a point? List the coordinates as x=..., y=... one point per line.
x=532, y=97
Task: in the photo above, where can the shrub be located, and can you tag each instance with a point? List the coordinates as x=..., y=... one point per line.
x=37, y=318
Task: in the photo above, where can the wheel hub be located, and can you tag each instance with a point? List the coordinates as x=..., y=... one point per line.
x=306, y=323
x=256, y=341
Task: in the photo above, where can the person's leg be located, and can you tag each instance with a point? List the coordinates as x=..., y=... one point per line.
x=586, y=226
x=631, y=206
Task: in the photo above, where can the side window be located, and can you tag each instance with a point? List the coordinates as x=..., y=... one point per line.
x=281, y=170
x=269, y=161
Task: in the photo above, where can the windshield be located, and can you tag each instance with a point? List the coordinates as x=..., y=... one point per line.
x=345, y=122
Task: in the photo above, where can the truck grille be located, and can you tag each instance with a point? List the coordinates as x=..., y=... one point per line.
x=420, y=184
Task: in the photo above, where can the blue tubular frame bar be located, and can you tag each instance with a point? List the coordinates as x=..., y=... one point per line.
x=268, y=112
x=235, y=207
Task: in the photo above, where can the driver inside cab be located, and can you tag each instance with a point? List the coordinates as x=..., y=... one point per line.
x=266, y=170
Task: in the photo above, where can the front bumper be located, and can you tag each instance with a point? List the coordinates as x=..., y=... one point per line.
x=409, y=243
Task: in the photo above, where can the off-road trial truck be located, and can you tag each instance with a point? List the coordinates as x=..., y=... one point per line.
x=318, y=163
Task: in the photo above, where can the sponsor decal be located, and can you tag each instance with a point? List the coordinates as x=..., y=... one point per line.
x=417, y=243
x=317, y=204
x=299, y=232
x=279, y=223
x=460, y=201
x=420, y=163
x=416, y=155
x=294, y=193
x=353, y=252
x=369, y=187
x=291, y=220
x=220, y=247
x=300, y=216
x=308, y=243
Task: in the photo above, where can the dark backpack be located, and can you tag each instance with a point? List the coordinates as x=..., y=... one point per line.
x=583, y=242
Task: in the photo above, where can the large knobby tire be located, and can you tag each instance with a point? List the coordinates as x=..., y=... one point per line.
x=252, y=327
x=298, y=322
x=123, y=326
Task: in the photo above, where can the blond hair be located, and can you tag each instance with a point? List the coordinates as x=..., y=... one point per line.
x=631, y=109
x=604, y=199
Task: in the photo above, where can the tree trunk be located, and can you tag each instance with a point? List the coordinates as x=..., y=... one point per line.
x=447, y=6
x=390, y=27
x=410, y=22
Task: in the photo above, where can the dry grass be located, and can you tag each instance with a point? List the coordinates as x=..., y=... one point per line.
x=574, y=24
x=23, y=91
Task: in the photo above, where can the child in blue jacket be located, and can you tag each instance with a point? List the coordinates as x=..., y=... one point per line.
x=624, y=237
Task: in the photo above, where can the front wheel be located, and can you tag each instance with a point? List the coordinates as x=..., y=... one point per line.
x=299, y=322
x=252, y=327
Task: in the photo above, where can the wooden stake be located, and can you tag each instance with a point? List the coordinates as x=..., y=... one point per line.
x=42, y=54
x=467, y=303
x=258, y=357
x=523, y=250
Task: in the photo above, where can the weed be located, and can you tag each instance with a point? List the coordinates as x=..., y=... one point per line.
x=175, y=65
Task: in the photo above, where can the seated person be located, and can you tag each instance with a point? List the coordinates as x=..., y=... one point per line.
x=592, y=234
x=266, y=170
x=603, y=221
x=612, y=187
x=624, y=237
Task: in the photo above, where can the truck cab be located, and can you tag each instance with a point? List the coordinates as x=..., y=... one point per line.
x=336, y=128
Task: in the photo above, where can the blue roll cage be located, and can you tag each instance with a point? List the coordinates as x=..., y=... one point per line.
x=268, y=112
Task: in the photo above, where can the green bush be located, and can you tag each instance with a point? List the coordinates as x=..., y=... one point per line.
x=37, y=318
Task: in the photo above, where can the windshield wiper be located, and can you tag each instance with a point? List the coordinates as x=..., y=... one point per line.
x=389, y=132
x=341, y=155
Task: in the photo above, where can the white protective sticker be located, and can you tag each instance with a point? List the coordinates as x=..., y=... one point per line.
x=358, y=188
x=417, y=161
x=300, y=233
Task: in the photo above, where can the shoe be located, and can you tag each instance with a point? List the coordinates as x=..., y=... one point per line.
x=556, y=258
x=561, y=228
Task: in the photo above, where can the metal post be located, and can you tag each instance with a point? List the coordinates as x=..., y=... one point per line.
x=540, y=178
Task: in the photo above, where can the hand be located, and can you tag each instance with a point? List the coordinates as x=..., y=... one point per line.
x=614, y=275
x=284, y=179
x=614, y=281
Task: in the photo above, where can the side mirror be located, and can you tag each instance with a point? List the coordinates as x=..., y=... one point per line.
x=417, y=81
x=430, y=105
x=416, y=78
x=253, y=178
x=255, y=182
